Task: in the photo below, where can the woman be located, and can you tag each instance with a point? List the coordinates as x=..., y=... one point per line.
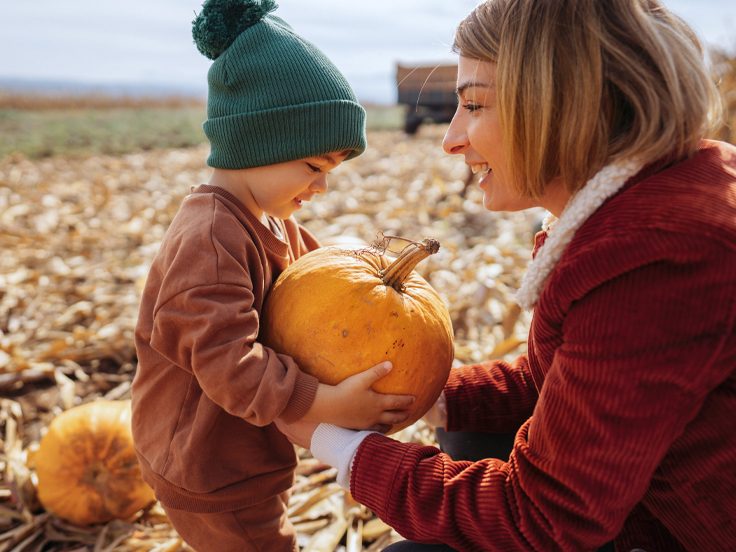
x=595, y=111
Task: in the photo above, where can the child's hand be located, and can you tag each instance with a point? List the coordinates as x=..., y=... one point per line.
x=354, y=405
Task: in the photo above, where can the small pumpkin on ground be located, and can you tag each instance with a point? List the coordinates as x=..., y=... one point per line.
x=86, y=466
x=338, y=311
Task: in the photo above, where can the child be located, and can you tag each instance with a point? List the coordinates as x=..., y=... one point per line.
x=207, y=395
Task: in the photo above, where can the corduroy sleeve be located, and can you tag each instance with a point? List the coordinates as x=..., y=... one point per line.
x=635, y=369
x=494, y=396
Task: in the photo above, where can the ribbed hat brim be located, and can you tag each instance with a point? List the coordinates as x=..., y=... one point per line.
x=284, y=134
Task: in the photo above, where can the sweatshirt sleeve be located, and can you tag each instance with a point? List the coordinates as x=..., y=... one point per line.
x=495, y=396
x=627, y=380
x=211, y=331
x=308, y=239
x=301, y=240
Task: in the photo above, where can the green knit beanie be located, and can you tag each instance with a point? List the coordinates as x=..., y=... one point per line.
x=273, y=96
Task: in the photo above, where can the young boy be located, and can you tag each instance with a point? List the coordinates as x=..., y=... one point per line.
x=207, y=395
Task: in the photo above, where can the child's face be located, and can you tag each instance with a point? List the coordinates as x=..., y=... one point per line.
x=281, y=189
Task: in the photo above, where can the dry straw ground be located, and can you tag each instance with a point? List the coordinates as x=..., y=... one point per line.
x=79, y=232
x=77, y=237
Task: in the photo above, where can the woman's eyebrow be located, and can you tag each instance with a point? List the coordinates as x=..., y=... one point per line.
x=471, y=84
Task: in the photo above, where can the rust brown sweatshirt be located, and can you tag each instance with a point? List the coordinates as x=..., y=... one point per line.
x=206, y=391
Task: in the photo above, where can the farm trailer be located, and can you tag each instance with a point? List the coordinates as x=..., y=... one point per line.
x=428, y=91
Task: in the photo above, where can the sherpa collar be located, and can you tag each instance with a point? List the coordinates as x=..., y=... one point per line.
x=605, y=183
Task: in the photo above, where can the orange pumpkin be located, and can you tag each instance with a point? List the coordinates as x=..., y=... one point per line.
x=338, y=312
x=345, y=242
x=86, y=466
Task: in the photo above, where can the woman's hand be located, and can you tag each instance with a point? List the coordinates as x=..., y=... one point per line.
x=299, y=432
x=354, y=405
x=437, y=415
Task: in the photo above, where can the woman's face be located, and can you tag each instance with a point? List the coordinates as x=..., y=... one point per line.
x=476, y=134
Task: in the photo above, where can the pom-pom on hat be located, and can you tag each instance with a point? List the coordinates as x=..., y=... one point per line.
x=273, y=96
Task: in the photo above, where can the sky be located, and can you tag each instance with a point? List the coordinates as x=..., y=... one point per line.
x=148, y=43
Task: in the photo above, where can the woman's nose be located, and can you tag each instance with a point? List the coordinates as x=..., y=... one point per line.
x=319, y=185
x=455, y=138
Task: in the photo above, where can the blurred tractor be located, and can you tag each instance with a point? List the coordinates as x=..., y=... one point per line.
x=428, y=91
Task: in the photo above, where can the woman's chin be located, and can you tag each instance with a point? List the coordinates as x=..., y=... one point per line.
x=488, y=202
x=505, y=203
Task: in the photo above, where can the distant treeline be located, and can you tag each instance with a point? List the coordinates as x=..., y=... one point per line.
x=39, y=125
x=36, y=101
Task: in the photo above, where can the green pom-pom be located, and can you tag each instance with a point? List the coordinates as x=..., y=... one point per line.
x=221, y=21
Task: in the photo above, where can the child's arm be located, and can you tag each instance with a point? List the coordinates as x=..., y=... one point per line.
x=353, y=404
x=211, y=332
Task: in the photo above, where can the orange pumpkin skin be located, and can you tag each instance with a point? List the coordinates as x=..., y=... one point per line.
x=346, y=242
x=332, y=312
x=86, y=465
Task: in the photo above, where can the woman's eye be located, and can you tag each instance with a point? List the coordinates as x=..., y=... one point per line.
x=314, y=168
x=471, y=107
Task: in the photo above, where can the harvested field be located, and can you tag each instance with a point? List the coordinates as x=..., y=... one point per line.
x=78, y=235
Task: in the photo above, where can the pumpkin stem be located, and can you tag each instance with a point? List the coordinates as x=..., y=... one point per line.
x=398, y=271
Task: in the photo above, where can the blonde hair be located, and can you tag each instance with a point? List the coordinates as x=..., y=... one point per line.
x=583, y=83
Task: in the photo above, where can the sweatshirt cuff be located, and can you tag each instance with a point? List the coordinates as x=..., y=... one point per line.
x=305, y=389
x=336, y=446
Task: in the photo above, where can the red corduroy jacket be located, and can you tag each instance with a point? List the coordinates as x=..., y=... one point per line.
x=626, y=401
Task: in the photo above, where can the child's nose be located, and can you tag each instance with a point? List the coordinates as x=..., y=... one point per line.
x=319, y=186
